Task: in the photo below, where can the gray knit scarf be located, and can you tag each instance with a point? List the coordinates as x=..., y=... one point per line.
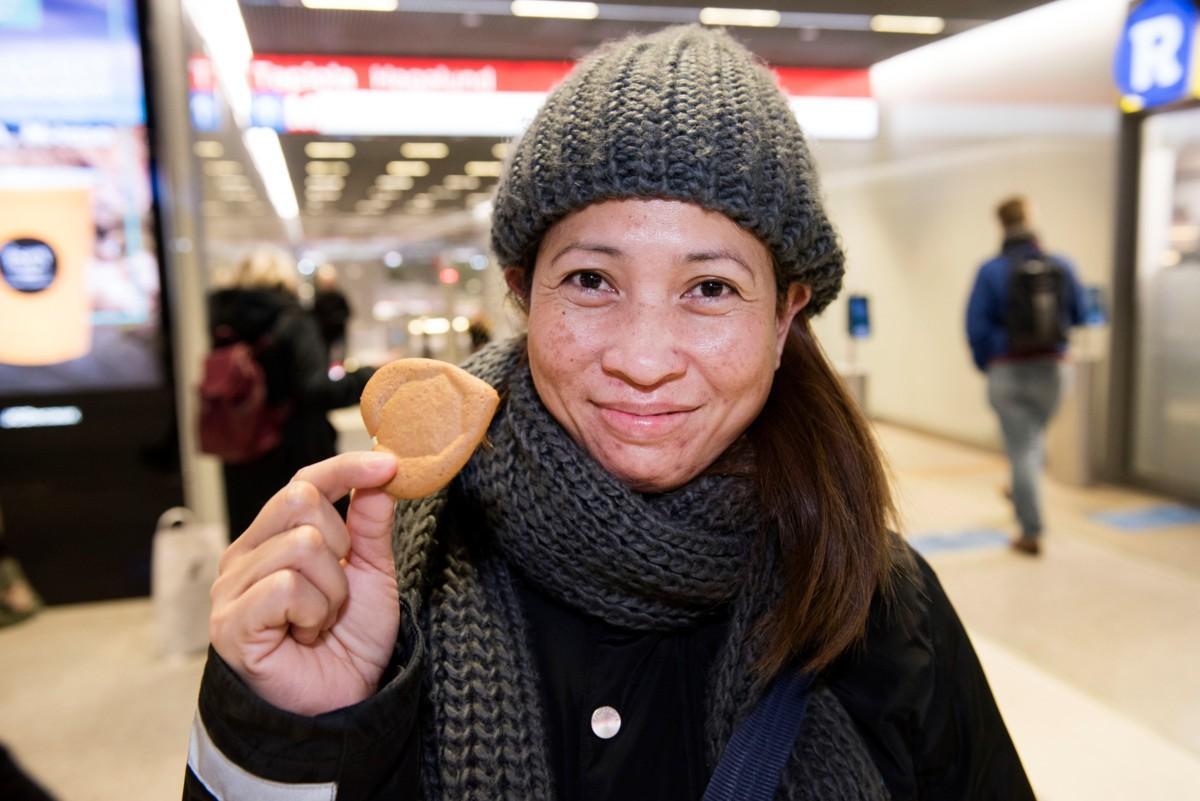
x=532, y=502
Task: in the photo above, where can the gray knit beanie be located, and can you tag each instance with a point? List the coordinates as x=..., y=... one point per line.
x=687, y=114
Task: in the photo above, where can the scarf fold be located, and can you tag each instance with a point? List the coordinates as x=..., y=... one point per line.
x=532, y=502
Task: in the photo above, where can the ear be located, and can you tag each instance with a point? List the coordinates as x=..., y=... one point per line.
x=515, y=278
x=798, y=296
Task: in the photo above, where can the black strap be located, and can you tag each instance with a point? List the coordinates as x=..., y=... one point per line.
x=759, y=749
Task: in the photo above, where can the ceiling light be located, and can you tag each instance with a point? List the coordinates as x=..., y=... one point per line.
x=207, y=149
x=327, y=168
x=746, y=17
x=555, y=9
x=889, y=23
x=267, y=155
x=408, y=168
x=234, y=181
x=500, y=150
x=460, y=183
x=460, y=324
x=223, y=168
x=351, y=5
x=424, y=150
x=394, y=182
x=422, y=202
x=325, y=182
x=329, y=150
x=483, y=169
x=393, y=259
x=438, y=325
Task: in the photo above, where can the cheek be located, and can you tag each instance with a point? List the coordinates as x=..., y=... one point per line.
x=738, y=357
x=559, y=352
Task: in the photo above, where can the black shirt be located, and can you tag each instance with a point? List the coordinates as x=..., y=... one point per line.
x=655, y=681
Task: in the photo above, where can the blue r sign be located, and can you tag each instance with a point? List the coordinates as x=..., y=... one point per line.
x=1154, y=59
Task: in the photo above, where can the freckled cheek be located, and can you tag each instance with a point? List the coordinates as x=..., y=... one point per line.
x=737, y=357
x=562, y=349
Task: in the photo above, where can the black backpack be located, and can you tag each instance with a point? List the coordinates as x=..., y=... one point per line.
x=1038, y=319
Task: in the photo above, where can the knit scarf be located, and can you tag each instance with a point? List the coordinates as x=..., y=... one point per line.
x=532, y=502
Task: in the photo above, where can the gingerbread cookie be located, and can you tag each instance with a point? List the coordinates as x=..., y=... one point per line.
x=429, y=414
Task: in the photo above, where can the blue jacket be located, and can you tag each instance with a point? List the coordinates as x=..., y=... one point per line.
x=986, y=311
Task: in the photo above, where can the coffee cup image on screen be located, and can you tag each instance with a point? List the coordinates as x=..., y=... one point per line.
x=46, y=240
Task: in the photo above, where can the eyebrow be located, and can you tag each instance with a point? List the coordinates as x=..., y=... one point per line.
x=718, y=255
x=589, y=247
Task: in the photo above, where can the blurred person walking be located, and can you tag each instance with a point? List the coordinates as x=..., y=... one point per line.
x=1019, y=317
x=331, y=310
x=262, y=309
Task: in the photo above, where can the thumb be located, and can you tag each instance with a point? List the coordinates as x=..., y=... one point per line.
x=370, y=520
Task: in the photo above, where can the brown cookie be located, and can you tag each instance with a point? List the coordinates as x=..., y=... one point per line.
x=431, y=415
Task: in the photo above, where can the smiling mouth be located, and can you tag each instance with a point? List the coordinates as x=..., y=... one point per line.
x=645, y=422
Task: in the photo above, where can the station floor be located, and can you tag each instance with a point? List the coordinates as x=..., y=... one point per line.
x=1092, y=650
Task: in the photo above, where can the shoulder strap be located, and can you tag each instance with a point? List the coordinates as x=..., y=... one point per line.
x=756, y=754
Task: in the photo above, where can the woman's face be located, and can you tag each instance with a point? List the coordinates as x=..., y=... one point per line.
x=654, y=335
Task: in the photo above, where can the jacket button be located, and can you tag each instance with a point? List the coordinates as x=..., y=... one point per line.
x=606, y=722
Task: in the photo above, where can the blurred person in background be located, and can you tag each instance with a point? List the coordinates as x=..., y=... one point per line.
x=262, y=309
x=331, y=311
x=480, y=333
x=679, y=525
x=1022, y=307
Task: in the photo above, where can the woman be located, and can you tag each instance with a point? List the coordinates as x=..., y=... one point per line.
x=678, y=507
x=261, y=308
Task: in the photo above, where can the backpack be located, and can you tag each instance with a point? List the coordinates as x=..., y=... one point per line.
x=236, y=423
x=1038, y=316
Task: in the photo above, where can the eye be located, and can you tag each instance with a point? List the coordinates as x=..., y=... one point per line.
x=588, y=281
x=712, y=289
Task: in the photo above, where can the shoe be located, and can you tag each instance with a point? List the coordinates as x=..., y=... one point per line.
x=1030, y=546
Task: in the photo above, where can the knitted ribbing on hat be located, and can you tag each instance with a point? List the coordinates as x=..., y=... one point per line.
x=687, y=114
x=533, y=504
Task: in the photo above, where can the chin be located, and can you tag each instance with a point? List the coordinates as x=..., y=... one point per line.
x=647, y=478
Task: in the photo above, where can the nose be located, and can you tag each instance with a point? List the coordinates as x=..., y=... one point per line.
x=644, y=350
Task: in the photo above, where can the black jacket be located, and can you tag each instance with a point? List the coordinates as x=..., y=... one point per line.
x=914, y=688
x=293, y=357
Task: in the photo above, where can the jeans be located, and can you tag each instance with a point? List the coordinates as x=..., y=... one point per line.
x=1025, y=395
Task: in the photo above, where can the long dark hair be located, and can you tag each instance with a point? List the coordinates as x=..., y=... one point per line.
x=829, y=511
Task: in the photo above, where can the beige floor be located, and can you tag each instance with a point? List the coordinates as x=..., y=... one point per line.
x=1092, y=651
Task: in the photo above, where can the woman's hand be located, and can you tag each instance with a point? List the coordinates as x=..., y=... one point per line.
x=305, y=609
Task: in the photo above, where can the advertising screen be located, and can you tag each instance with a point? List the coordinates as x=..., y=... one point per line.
x=79, y=279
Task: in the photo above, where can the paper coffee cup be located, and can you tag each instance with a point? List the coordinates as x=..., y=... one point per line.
x=47, y=236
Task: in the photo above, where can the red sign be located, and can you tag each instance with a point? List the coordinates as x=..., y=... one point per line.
x=300, y=74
